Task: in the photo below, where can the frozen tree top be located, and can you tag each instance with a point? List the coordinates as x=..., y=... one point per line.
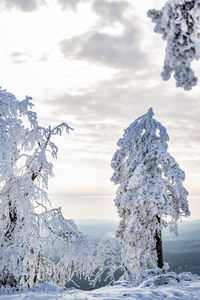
x=142, y=165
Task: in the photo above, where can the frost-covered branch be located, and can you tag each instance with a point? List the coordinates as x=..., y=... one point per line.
x=179, y=24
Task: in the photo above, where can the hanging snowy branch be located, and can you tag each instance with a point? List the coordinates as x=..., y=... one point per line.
x=179, y=24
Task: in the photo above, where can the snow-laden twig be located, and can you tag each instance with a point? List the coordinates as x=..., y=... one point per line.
x=179, y=24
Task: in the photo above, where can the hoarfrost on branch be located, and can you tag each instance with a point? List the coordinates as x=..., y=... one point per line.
x=179, y=24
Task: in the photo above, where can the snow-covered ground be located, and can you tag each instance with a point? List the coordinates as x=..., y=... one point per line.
x=186, y=289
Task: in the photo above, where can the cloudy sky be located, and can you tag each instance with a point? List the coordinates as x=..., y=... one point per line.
x=96, y=64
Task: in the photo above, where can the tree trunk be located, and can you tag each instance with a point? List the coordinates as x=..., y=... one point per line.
x=159, y=249
x=9, y=278
x=13, y=221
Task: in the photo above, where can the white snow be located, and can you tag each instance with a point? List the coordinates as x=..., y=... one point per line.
x=184, y=290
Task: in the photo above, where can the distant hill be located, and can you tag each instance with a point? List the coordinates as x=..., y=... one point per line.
x=98, y=229
x=182, y=252
x=188, y=230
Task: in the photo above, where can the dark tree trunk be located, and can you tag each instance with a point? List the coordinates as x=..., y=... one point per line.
x=9, y=278
x=159, y=250
x=37, y=268
x=13, y=221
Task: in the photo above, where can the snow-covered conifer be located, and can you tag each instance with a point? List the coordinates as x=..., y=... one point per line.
x=179, y=24
x=150, y=188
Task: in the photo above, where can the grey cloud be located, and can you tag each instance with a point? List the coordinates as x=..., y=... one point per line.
x=32, y=5
x=71, y=47
x=23, y=57
x=110, y=10
x=100, y=115
x=116, y=51
x=112, y=105
x=23, y=5
x=44, y=57
x=107, y=99
x=20, y=57
x=72, y=4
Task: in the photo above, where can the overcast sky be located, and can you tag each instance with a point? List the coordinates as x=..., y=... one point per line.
x=96, y=64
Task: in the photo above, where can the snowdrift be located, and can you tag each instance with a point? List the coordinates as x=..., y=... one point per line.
x=185, y=286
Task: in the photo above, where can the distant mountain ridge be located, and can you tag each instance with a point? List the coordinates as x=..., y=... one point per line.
x=188, y=230
x=97, y=229
x=182, y=252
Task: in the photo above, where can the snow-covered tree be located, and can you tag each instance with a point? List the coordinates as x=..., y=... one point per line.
x=179, y=24
x=24, y=174
x=26, y=225
x=150, y=189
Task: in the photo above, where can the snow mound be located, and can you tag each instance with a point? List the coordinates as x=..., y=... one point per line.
x=170, y=286
x=48, y=287
x=171, y=277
